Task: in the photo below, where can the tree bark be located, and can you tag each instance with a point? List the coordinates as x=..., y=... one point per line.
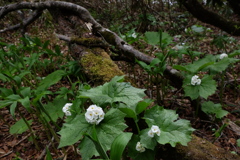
x=207, y=16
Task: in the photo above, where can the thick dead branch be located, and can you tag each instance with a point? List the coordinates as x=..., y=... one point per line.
x=36, y=14
x=207, y=16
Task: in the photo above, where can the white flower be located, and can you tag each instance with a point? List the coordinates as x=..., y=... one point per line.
x=94, y=114
x=66, y=109
x=195, y=80
x=139, y=147
x=223, y=55
x=134, y=35
x=154, y=130
x=150, y=133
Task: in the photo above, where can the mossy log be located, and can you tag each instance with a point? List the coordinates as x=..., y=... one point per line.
x=201, y=149
x=99, y=67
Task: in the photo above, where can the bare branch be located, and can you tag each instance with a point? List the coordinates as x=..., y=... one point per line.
x=36, y=14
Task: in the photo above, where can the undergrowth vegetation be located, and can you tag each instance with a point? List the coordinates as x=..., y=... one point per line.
x=115, y=120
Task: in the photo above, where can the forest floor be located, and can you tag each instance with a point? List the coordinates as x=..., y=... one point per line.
x=21, y=147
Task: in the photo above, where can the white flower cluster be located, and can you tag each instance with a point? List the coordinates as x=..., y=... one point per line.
x=94, y=114
x=66, y=109
x=223, y=55
x=139, y=147
x=134, y=35
x=154, y=129
x=195, y=80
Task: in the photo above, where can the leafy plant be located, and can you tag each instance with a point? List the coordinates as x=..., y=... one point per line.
x=119, y=100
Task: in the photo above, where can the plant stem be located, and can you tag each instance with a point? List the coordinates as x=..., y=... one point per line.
x=30, y=129
x=137, y=126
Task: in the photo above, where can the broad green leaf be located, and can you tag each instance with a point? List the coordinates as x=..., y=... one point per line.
x=153, y=38
x=136, y=155
x=26, y=103
x=221, y=65
x=211, y=108
x=205, y=89
x=234, y=53
x=119, y=145
x=146, y=141
x=54, y=109
x=107, y=130
x=5, y=103
x=19, y=127
x=51, y=79
x=114, y=91
x=73, y=131
x=14, y=97
x=3, y=77
x=26, y=92
x=97, y=143
x=200, y=64
x=141, y=106
x=181, y=68
x=173, y=131
x=6, y=92
x=129, y=112
x=87, y=149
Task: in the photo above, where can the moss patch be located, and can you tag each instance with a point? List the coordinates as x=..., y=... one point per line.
x=99, y=66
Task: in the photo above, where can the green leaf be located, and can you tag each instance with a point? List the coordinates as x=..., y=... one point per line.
x=136, y=155
x=129, y=112
x=51, y=79
x=146, y=141
x=173, y=131
x=152, y=38
x=54, y=109
x=73, y=131
x=141, y=106
x=49, y=156
x=211, y=108
x=19, y=127
x=26, y=103
x=107, y=130
x=87, y=148
x=181, y=68
x=97, y=143
x=114, y=91
x=3, y=77
x=238, y=142
x=25, y=92
x=12, y=108
x=221, y=65
x=206, y=88
x=119, y=145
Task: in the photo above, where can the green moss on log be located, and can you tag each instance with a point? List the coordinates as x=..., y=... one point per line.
x=99, y=66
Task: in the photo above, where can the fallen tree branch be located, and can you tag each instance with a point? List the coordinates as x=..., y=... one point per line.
x=36, y=14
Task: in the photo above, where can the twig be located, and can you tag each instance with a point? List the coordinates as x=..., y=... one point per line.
x=44, y=151
x=6, y=154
